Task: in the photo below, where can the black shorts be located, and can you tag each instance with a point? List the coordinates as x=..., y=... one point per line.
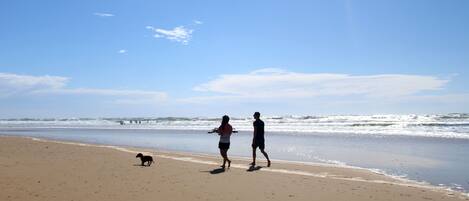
x=223, y=145
x=259, y=144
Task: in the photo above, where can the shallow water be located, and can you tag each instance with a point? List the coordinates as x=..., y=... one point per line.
x=439, y=161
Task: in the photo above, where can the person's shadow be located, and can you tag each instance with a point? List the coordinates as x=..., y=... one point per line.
x=253, y=168
x=215, y=171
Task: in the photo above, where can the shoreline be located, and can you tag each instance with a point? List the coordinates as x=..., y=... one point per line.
x=280, y=167
x=400, y=180
x=273, y=132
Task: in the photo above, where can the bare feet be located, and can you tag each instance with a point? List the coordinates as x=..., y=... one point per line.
x=268, y=163
x=252, y=164
x=229, y=163
x=222, y=166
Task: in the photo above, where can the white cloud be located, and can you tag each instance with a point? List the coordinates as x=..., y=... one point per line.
x=198, y=22
x=443, y=98
x=104, y=14
x=272, y=83
x=122, y=51
x=13, y=84
x=153, y=95
x=178, y=34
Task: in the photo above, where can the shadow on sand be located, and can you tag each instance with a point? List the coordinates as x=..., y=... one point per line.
x=215, y=171
x=140, y=165
x=253, y=168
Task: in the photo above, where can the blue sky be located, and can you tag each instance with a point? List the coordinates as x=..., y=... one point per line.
x=207, y=58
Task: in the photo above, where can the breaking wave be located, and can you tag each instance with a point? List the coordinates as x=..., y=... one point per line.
x=455, y=125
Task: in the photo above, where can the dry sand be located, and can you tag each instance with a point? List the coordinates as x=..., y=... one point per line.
x=45, y=170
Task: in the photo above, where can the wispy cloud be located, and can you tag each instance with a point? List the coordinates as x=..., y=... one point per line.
x=13, y=84
x=278, y=84
x=122, y=51
x=198, y=22
x=121, y=96
x=179, y=34
x=104, y=14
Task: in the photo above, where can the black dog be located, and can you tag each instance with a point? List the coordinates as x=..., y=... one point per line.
x=144, y=159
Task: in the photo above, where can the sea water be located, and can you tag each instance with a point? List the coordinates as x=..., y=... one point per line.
x=430, y=148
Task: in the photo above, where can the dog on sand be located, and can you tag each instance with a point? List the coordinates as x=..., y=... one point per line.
x=147, y=159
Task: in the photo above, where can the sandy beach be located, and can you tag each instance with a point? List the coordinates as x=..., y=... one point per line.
x=46, y=170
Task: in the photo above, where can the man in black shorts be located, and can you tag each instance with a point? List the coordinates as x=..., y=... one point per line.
x=258, y=139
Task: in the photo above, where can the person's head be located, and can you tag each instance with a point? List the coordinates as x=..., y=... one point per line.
x=225, y=119
x=256, y=115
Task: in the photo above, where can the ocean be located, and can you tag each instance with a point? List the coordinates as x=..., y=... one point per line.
x=425, y=148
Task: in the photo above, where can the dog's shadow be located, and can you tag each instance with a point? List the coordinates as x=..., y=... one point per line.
x=254, y=168
x=140, y=165
x=216, y=171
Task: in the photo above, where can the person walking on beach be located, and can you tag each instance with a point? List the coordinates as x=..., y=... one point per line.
x=258, y=139
x=224, y=131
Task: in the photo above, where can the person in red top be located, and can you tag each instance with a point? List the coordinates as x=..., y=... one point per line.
x=224, y=131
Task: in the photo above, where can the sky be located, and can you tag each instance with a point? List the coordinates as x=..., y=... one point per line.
x=142, y=58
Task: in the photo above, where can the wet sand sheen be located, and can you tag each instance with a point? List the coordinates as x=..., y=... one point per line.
x=43, y=170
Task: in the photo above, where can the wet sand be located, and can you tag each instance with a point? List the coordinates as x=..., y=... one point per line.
x=46, y=170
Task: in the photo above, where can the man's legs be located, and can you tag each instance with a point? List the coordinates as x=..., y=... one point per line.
x=266, y=156
x=253, y=156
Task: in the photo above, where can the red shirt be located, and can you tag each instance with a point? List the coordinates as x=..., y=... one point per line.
x=225, y=133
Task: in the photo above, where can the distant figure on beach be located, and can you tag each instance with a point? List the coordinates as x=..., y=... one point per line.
x=224, y=131
x=258, y=139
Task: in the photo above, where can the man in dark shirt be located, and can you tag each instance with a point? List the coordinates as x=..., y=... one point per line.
x=258, y=139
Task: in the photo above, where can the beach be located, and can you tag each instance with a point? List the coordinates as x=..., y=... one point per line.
x=234, y=100
x=438, y=160
x=50, y=170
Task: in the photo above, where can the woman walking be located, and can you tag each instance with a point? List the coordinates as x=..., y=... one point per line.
x=224, y=131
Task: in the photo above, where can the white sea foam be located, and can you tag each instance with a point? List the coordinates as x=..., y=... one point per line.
x=444, y=126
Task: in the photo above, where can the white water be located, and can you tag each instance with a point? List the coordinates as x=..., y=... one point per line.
x=439, y=125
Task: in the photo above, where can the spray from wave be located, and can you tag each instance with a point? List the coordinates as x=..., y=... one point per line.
x=455, y=125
